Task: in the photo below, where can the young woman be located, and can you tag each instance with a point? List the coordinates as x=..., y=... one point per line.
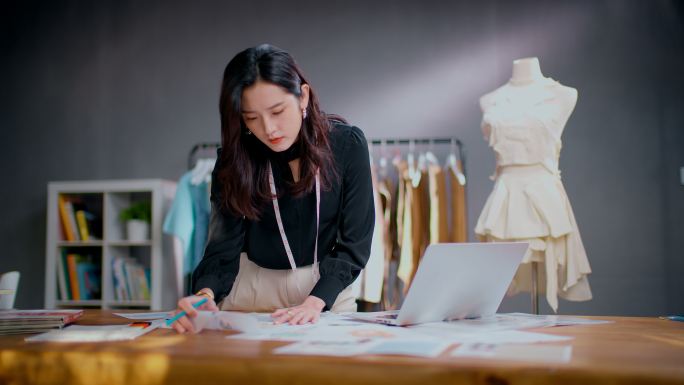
x=292, y=203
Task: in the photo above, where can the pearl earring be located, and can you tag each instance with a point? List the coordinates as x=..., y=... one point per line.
x=304, y=113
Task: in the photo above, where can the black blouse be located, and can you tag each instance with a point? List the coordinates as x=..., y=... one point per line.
x=347, y=217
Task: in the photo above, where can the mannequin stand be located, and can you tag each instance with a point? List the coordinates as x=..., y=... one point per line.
x=535, y=290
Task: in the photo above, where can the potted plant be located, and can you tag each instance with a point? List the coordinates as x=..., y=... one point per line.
x=137, y=218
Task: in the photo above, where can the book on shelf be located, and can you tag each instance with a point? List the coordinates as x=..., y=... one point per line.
x=71, y=218
x=35, y=321
x=78, y=223
x=83, y=274
x=131, y=280
x=73, y=276
x=69, y=232
x=82, y=225
x=89, y=226
x=63, y=278
x=88, y=280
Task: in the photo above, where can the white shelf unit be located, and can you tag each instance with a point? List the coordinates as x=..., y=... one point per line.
x=106, y=199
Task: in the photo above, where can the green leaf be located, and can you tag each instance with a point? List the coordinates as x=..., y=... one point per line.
x=139, y=210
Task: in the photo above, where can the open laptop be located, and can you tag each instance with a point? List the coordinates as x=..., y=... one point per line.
x=455, y=281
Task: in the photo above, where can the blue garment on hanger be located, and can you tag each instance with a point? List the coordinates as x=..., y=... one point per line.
x=188, y=219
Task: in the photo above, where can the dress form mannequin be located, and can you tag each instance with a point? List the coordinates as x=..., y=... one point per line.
x=526, y=71
x=523, y=122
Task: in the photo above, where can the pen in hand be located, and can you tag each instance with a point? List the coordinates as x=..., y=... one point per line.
x=182, y=313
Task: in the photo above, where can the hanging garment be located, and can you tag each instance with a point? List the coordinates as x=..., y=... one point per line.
x=528, y=202
x=401, y=199
x=459, y=218
x=388, y=218
x=391, y=291
x=188, y=220
x=405, y=226
x=420, y=217
x=439, y=224
x=368, y=286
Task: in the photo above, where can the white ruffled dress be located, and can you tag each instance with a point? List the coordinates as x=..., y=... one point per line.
x=528, y=202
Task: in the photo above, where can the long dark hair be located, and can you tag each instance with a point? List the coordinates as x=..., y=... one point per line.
x=241, y=166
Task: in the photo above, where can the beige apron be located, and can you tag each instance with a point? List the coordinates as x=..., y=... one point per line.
x=257, y=289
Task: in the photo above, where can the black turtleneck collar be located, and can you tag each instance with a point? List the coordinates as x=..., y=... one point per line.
x=288, y=155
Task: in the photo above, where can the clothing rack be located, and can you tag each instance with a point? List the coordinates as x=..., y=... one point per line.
x=198, y=147
x=423, y=141
x=375, y=142
x=461, y=156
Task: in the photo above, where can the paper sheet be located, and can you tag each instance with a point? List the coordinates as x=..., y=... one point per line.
x=223, y=320
x=327, y=333
x=330, y=328
x=529, y=353
x=219, y=320
x=337, y=328
x=456, y=334
x=556, y=320
x=513, y=337
x=327, y=348
x=145, y=316
x=368, y=346
x=410, y=348
x=81, y=333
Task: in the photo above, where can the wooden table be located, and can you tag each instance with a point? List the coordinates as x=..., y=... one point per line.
x=631, y=350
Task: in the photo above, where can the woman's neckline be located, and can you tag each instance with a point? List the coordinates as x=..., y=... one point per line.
x=288, y=155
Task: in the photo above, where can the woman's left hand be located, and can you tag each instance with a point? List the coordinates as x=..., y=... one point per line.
x=308, y=311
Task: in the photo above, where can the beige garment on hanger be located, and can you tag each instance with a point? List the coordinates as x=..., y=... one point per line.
x=405, y=221
x=420, y=217
x=389, y=231
x=439, y=224
x=459, y=218
x=401, y=198
x=389, y=212
x=371, y=277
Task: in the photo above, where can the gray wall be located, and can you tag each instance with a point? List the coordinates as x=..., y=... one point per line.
x=123, y=89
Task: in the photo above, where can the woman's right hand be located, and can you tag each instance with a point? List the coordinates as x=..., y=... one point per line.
x=184, y=324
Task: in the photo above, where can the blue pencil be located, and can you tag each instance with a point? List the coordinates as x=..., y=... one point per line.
x=182, y=313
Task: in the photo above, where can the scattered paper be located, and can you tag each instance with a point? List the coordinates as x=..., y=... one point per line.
x=479, y=330
x=410, y=348
x=366, y=346
x=514, y=337
x=81, y=333
x=327, y=318
x=336, y=328
x=495, y=323
x=145, y=316
x=327, y=330
x=327, y=348
x=556, y=320
x=222, y=320
x=530, y=353
x=447, y=331
x=209, y=320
